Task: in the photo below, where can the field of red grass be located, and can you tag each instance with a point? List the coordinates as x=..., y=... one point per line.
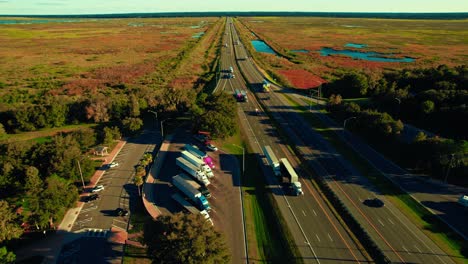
x=79, y=57
x=430, y=42
x=302, y=79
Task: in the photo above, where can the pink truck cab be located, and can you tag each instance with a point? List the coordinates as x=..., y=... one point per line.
x=209, y=161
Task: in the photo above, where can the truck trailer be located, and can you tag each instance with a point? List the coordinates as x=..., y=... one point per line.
x=200, y=154
x=272, y=160
x=192, y=170
x=195, y=185
x=198, y=162
x=189, y=207
x=193, y=194
x=288, y=170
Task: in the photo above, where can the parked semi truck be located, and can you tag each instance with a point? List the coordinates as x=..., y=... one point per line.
x=200, y=154
x=288, y=170
x=189, y=207
x=272, y=160
x=266, y=85
x=193, y=194
x=198, y=162
x=197, y=186
x=463, y=200
x=192, y=170
x=244, y=97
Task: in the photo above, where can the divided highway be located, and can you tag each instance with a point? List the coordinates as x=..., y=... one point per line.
x=400, y=240
x=320, y=237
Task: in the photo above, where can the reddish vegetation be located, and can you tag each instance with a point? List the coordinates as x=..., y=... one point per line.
x=302, y=79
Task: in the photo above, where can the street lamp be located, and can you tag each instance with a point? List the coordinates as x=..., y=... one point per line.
x=155, y=114
x=81, y=173
x=344, y=123
x=162, y=129
x=243, y=157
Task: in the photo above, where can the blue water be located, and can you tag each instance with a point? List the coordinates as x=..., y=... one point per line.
x=198, y=35
x=37, y=21
x=370, y=56
x=261, y=46
x=355, y=45
x=300, y=51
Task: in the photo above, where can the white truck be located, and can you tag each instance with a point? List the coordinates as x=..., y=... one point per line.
x=190, y=208
x=272, y=160
x=192, y=170
x=200, y=154
x=198, y=162
x=463, y=200
x=183, y=184
x=293, y=178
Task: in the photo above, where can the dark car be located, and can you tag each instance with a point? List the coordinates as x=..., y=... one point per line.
x=376, y=202
x=91, y=197
x=121, y=212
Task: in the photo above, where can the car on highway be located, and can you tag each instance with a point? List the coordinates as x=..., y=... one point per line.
x=121, y=212
x=211, y=147
x=375, y=202
x=113, y=164
x=97, y=188
x=91, y=197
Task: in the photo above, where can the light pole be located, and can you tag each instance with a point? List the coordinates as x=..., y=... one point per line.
x=81, y=173
x=243, y=157
x=344, y=123
x=155, y=114
x=399, y=103
x=162, y=129
x=452, y=157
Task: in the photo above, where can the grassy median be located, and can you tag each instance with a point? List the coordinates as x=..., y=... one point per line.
x=434, y=228
x=268, y=236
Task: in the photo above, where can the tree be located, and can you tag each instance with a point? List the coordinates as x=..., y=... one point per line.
x=2, y=130
x=9, y=227
x=185, y=238
x=427, y=107
x=132, y=124
x=6, y=256
x=421, y=136
x=138, y=181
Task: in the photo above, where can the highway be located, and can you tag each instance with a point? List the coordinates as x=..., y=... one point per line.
x=320, y=237
x=399, y=239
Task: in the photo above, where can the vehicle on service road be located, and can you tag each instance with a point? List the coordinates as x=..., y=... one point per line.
x=183, y=184
x=198, y=162
x=192, y=170
x=288, y=170
x=272, y=160
x=121, y=212
x=211, y=147
x=463, y=200
x=97, y=188
x=113, y=164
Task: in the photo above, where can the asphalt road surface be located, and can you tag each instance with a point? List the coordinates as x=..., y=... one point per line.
x=399, y=239
x=320, y=237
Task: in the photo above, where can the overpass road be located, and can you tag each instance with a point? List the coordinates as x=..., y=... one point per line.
x=398, y=238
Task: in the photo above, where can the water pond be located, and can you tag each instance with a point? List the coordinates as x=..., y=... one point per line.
x=300, y=51
x=355, y=45
x=369, y=56
x=261, y=46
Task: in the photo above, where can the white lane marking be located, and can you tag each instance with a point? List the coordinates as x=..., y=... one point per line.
x=331, y=239
x=304, y=213
x=390, y=220
x=314, y=212
x=406, y=250
x=318, y=238
x=381, y=222
x=418, y=249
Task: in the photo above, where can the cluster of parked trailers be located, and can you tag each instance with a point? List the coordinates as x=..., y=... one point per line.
x=193, y=181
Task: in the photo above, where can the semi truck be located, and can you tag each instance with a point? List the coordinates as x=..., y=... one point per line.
x=183, y=185
x=244, y=96
x=231, y=70
x=200, y=154
x=266, y=85
x=288, y=170
x=195, y=185
x=198, y=162
x=463, y=200
x=192, y=170
x=189, y=207
x=272, y=160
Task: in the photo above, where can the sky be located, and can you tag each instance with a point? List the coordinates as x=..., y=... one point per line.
x=65, y=7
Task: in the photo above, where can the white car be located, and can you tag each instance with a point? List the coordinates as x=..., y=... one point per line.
x=113, y=164
x=212, y=147
x=97, y=188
